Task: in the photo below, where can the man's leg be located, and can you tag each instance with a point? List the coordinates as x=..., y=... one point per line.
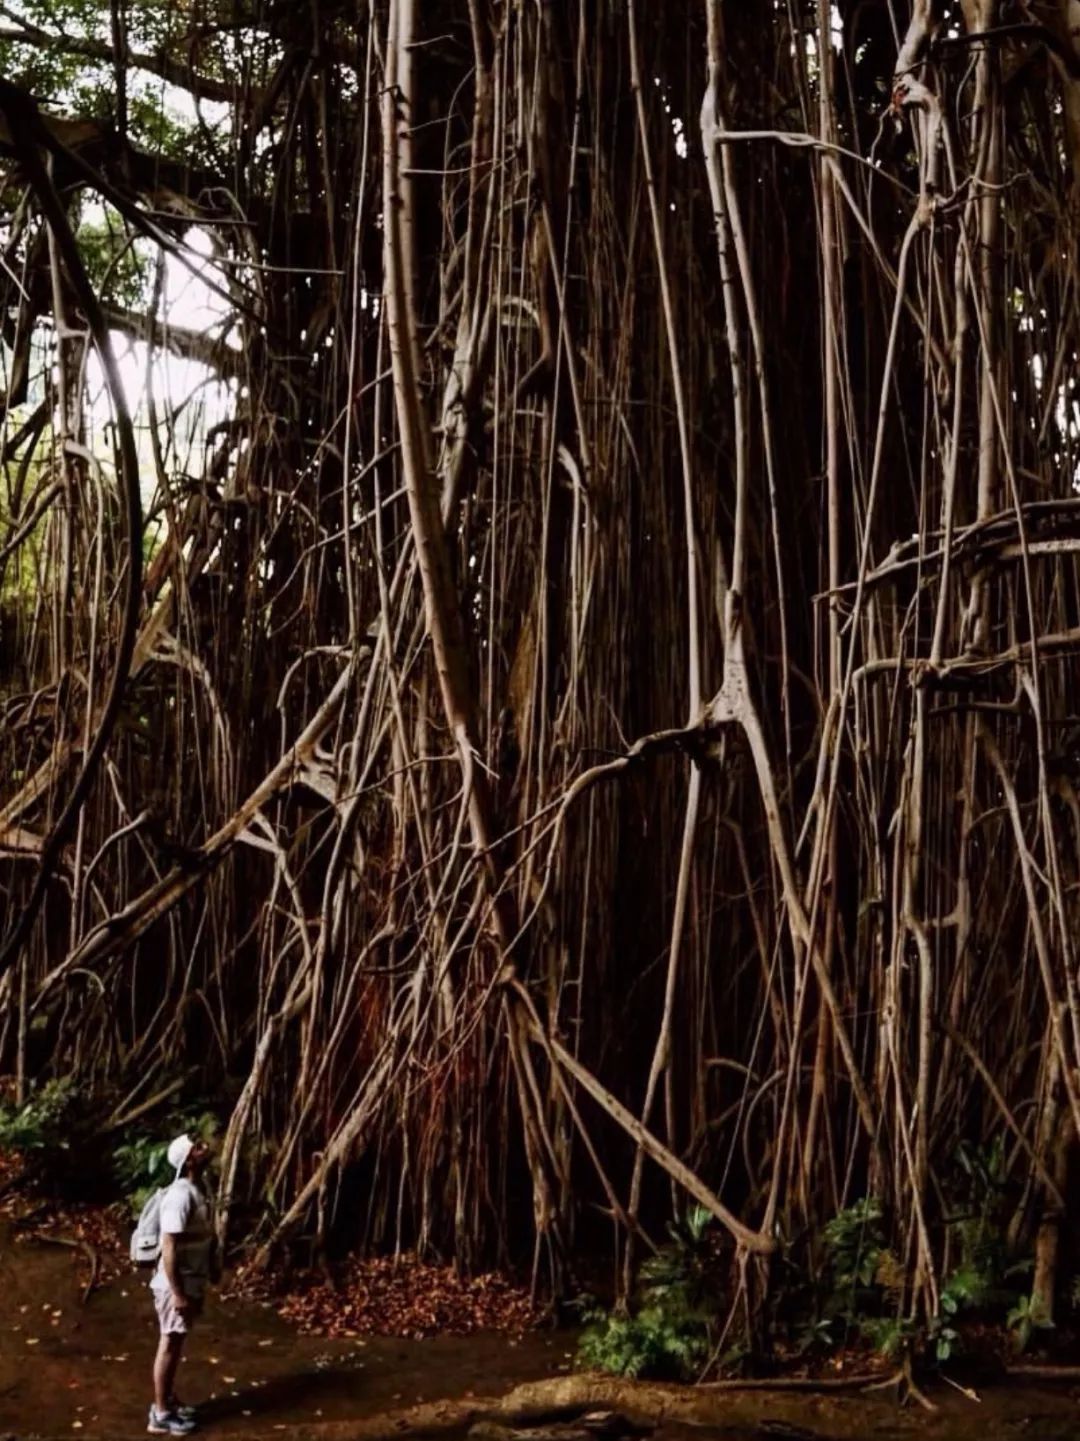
x=169, y=1350
x=174, y=1403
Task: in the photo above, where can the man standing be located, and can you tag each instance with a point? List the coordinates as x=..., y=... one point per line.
x=179, y=1282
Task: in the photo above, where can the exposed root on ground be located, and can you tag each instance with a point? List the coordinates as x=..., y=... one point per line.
x=612, y=1406
x=75, y=1243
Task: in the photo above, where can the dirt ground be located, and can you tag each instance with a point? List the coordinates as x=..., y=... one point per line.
x=70, y=1370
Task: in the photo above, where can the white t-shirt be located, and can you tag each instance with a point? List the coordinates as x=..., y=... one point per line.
x=186, y=1215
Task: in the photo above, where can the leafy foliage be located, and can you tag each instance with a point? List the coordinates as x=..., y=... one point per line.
x=156, y=126
x=865, y=1281
x=854, y=1242
x=985, y=1277
x=43, y=1123
x=656, y=1341
x=978, y=1226
x=58, y=1128
x=117, y=263
x=1025, y=1318
x=862, y=1286
x=668, y=1333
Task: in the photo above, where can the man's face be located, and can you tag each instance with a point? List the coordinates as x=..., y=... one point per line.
x=199, y=1158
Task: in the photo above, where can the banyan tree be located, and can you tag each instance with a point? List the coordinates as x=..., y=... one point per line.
x=548, y=690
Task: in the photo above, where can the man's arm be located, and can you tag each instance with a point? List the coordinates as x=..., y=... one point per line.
x=172, y=1270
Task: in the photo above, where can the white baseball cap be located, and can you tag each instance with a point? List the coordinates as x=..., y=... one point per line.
x=178, y=1152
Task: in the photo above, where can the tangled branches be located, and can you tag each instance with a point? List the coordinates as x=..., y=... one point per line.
x=601, y=711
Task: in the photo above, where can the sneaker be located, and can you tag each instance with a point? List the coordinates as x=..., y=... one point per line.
x=186, y=1413
x=168, y=1423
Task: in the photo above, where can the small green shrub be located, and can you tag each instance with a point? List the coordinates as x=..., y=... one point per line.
x=140, y=1167
x=854, y=1252
x=890, y=1336
x=42, y=1124
x=978, y=1227
x=653, y=1342
x=853, y=1242
x=669, y=1332
x=865, y=1282
x=868, y=1281
x=1025, y=1318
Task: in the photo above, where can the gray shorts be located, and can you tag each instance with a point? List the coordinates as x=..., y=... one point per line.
x=171, y=1321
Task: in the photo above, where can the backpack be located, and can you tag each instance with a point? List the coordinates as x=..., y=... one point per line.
x=145, y=1248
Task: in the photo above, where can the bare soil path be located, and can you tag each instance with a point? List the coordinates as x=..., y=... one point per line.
x=73, y=1371
x=83, y=1371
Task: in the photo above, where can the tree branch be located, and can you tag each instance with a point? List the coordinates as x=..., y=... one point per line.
x=178, y=340
x=25, y=126
x=205, y=87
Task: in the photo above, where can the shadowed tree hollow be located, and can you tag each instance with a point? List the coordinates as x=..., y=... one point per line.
x=539, y=608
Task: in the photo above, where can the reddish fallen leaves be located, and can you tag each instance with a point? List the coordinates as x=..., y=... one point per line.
x=11, y=1168
x=381, y=1297
x=406, y=1297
